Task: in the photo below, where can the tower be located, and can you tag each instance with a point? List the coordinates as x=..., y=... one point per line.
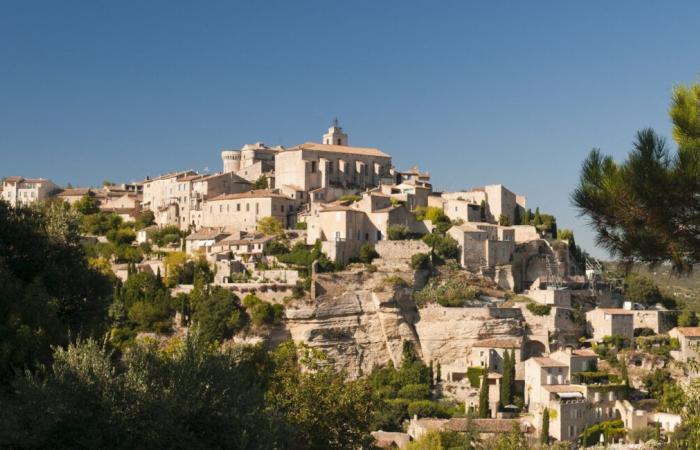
x=335, y=135
x=231, y=160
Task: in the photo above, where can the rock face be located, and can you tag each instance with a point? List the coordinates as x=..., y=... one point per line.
x=361, y=323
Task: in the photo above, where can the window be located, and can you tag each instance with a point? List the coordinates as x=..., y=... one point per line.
x=257, y=208
x=313, y=166
x=238, y=206
x=282, y=208
x=247, y=207
x=339, y=141
x=330, y=167
x=221, y=208
x=337, y=235
x=359, y=235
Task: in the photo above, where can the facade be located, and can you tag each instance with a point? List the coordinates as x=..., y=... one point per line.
x=489, y=353
x=251, y=161
x=241, y=212
x=23, y=191
x=602, y=322
x=311, y=166
x=689, y=339
x=203, y=240
x=578, y=360
x=178, y=198
x=467, y=205
x=483, y=245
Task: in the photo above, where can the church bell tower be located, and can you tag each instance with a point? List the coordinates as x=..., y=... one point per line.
x=335, y=135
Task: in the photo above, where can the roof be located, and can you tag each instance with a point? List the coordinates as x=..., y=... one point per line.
x=232, y=240
x=481, y=425
x=259, y=193
x=75, y=192
x=385, y=439
x=365, y=151
x=689, y=331
x=562, y=388
x=205, y=234
x=498, y=343
x=584, y=352
x=544, y=361
x=615, y=311
x=13, y=179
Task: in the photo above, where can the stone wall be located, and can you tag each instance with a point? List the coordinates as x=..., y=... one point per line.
x=389, y=250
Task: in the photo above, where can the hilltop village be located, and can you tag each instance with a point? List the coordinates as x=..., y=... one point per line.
x=332, y=246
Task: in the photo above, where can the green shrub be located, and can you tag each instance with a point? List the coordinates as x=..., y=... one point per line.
x=368, y=253
x=420, y=261
x=539, y=309
x=263, y=313
x=301, y=226
x=445, y=247
x=415, y=392
x=455, y=291
x=350, y=198
x=398, y=233
x=396, y=281
x=427, y=408
x=612, y=429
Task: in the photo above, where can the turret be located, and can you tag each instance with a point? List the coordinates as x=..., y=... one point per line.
x=231, y=160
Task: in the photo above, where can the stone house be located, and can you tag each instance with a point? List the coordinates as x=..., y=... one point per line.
x=466, y=205
x=344, y=229
x=242, y=211
x=23, y=191
x=689, y=339
x=486, y=428
x=242, y=246
x=578, y=360
x=543, y=371
x=178, y=198
x=601, y=322
x=414, y=176
x=483, y=245
x=408, y=193
x=489, y=353
x=203, y=240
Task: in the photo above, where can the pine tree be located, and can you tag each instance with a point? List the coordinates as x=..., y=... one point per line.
x=544, y=435
x=484, y=396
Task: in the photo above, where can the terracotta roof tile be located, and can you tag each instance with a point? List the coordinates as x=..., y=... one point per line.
x=366, y=151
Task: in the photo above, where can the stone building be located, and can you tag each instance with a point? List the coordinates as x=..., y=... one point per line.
x=23, y=191
x=242, y=211
x=602, y=322
x=251, y=161
x=483, y=245
x=489, y=353
x=467, y=205
x=689, y=339
x=178, y=198
x=311, y=165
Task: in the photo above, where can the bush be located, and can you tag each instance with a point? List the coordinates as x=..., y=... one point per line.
x=276, y=248
x=427, y=408
x=350, y=198
x=398, y=233
x=263, y=313
x=454, y=291
x=396, y=281
x=539, y=309
x=612, y=429
x=368, y=253
x=218, y=315
x=420, y=261
x=270, y=226
x=301, y=226
x=444, y=247
x=415, y=392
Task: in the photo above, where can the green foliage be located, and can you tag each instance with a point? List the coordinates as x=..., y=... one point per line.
x=641, y=289
x=484, y=396
x=48, y=291
x=641, y=208
x=655, y=381
x=218, y=315
x=414, y=392
x=87, y=205
x=100, y=223
x=544, y=430
x=368, y=253
x=539, y=309
x=350, y=198
x=612, y=429
x=688, y=318
x=270, y=226
x=398, y=233
x=427, y=408
x=145, y=219
x=594, y=378
x=504, y=220
x=301, y=226
x=474, y=375
x=276, y=248
x=121, y=236
x=421, y=261
x=508, y=380
x=453, y=292
x=260, y=183
x=167, y=235
x=147, y=303
x=395, y=281
x=445, y=247
x=263, y=313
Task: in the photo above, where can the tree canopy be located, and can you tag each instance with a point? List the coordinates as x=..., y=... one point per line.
x=647, y=208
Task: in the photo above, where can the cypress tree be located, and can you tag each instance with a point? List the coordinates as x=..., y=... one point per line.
x=432, y=378
x=505, y=382
x=625, y=377
x=537, y=220
x=511, y=388
x=484, y=396
x=544, y=435
x=438, y=373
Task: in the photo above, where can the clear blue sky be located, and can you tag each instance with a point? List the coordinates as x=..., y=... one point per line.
x=475, y=92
